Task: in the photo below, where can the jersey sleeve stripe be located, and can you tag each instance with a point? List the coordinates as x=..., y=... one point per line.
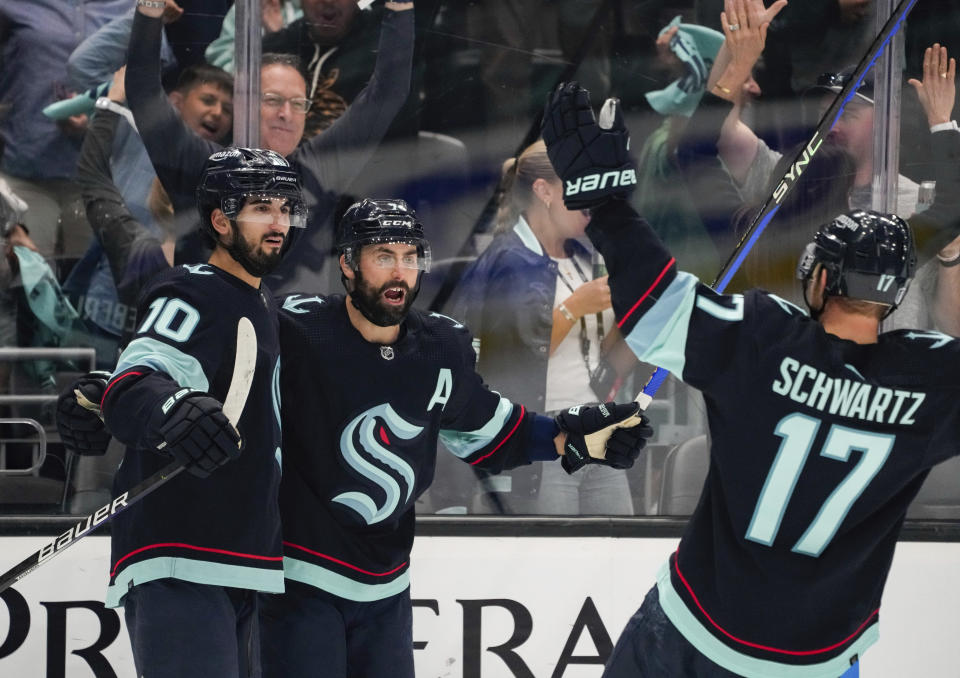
x=660, y=335
x=464, y=443
x=114, y=382
x=646, y=294
x=182, y=367
x=506, y=438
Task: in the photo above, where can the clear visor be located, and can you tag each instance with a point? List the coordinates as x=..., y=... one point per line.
x=266, y=208
x=415, y=260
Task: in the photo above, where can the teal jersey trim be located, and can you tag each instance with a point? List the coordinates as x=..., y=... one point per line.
x=182, y=367
x=464, y=443
x=660, y=336
x=338, y=585
x=750, y=667
x=196, y=571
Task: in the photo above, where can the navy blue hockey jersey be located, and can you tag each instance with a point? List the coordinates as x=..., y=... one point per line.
x=818, y=445
x=360, y=425
x=223, y=529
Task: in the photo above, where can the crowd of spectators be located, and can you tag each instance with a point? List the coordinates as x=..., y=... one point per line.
x=424, y=104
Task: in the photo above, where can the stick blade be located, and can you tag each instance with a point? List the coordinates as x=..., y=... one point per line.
x=245, y=364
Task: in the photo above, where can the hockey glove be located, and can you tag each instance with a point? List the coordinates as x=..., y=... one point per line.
x=78, y=415
x=626, y=442
x=592, y=435
x=591, y=158
x=198, y=434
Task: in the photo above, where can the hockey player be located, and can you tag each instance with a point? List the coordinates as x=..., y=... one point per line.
x=781, y=568
x=187, y=562
x=369, y=386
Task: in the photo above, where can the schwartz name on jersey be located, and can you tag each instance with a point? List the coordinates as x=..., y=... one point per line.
x=818, y=445
x=361, y=423
x=223, y=529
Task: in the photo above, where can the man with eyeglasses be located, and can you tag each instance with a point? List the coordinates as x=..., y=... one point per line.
x=336, y=43
x=327, y=163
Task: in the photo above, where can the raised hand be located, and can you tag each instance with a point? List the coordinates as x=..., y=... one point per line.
x=938, y=91
x=591, y=157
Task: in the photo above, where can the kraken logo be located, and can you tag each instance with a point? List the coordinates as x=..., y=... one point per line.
x=368, y=430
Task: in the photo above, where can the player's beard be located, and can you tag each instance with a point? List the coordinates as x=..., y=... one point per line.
x=366, y=299
x=254, y=260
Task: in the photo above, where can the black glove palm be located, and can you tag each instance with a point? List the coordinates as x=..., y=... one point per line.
x=78, y=415
x=609, y=434
x=198, y=434
x=592, y=159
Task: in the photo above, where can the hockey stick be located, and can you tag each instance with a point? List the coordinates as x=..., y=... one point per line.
x=596, y=447
x=792, y=176
x=244, y=366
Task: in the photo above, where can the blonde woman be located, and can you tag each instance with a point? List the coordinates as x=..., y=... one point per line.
x=540, y=314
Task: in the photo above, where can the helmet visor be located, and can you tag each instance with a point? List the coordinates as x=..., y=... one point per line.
x=390, y=260
x=285, y=209
x=382, y=256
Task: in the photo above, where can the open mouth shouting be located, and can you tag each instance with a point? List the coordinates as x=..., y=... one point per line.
x=395, y=295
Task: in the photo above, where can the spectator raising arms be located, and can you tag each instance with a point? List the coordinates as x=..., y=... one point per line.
x=327, y=163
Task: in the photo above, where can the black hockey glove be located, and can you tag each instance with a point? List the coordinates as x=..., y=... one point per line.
x=78, y=415
x=609, y=434
x=198, y=434
x=626, y=442
x=591, y=158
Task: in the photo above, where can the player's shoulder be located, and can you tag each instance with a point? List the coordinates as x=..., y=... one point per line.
x=438, y=327
x=303, y=305
x=437, y=324
x=932, y=354
x=439, y=334
x=753, y=307
x=197, y=282
x=769, y=315
x=774, y=307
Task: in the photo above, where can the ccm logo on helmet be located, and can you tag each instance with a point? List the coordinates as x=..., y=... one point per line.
x=592, y=182
x=395, y=222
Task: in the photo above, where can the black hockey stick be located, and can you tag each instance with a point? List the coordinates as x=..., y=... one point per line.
x=243, y=368
x=795, y=170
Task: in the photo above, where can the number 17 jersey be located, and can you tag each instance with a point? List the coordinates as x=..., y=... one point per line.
x=818, y=445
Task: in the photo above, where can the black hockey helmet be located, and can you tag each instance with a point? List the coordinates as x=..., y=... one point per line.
x=381, y=221
x=867, y=255
x=232, y=175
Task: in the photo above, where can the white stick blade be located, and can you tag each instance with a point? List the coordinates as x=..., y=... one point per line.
x=245, y=364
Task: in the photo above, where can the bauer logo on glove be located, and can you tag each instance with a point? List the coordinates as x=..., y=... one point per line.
x=592, y=158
